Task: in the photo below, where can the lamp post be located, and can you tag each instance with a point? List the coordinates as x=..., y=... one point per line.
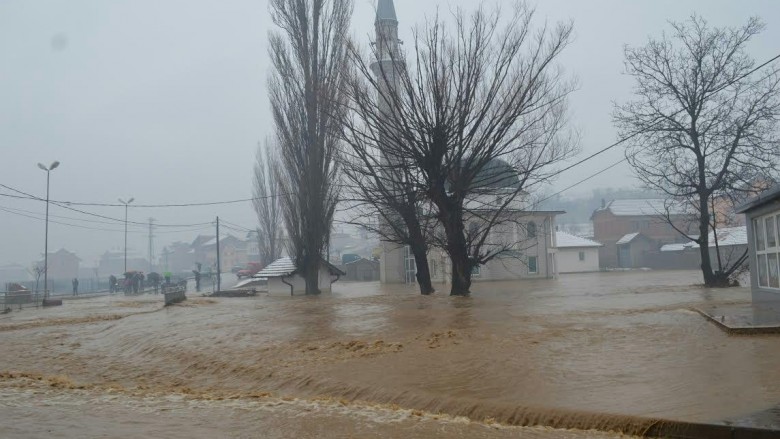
x=46, y=239
x=126, y=203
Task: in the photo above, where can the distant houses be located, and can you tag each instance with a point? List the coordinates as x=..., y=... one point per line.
x=62, y=265
x=633, y=231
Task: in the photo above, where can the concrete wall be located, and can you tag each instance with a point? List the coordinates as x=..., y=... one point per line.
x=391, y=264
x=569, y=260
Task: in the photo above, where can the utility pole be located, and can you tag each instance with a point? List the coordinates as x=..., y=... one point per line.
x=219, y=272
x=151, y=245
x=48, y=170
x=126, y=203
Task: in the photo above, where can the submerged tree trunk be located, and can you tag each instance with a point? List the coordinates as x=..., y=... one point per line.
x=458, y=251
x=419, y=250
x=311, y=271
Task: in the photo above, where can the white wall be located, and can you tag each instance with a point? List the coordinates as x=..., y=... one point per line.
x=277, y=287
x=569, y=260
x=391, y=264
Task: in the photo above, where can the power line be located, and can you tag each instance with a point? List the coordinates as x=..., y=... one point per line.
x=35, y=216
x=68, y=204
x=65, y=205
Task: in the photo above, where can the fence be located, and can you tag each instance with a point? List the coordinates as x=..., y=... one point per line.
x=10, y=300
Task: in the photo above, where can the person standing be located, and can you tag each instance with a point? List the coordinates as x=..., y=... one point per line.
x=197, y=280
x=75, y=286
x=112, y=284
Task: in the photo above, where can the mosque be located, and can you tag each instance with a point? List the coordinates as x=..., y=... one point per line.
x=532, y=231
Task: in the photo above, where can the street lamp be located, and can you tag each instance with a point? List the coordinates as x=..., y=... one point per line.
x=46, y=244
x=126, y=203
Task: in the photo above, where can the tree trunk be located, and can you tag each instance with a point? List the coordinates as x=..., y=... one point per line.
x=419, y=248
x=457, y=248
x=423, y=270
x=704, y=245
x=461, y=274
x=312, y=275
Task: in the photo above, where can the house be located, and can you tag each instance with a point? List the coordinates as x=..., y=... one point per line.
x=361, y=270
x=62, y=265
x=762, y=217
x=283, y=277
x=637, y=225
x=576, y=254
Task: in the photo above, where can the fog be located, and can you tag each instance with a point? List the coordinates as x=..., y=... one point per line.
x=166, y=102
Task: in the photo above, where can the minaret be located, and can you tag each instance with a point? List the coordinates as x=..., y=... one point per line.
x=394, y=265
x=387, y=46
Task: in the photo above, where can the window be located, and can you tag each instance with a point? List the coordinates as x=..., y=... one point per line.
x=532, y=268
x=771, y=240
x=760, y=240
x=774, y=281
x=582, y=256
x=531, y=229
x=767, y=243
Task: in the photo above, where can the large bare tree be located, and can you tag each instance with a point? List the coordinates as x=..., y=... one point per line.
x=705, y=127
x=474, y=107
x=267, y=204
x=385, y=201
x=308, y=55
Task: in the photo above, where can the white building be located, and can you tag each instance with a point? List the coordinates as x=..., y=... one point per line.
x=763, y=218
x=575, y=254
x=283, y=277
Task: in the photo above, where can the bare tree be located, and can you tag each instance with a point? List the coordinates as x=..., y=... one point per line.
x=476, y=118
x=704, y=127
x=267, y=204
x=385, y=201
x=308, y=56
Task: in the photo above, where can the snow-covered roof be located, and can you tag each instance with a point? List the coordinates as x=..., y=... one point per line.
x=281, y=267
x=567, y=240
x=676, y=247
x=648, y=207
x=627, y=238
x=727, y=236
x=285, y=266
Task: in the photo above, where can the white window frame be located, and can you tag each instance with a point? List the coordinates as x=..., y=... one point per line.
x=762, y=257
x=536, y=268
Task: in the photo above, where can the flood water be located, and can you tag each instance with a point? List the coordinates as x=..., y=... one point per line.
x=610, y=351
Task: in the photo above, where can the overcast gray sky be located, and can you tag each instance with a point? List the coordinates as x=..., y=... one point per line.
x=165, y=101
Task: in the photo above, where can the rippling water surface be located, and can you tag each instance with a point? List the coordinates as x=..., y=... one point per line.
x=603, y=350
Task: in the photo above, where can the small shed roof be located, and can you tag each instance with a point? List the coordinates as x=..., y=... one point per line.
x=567, y=240
x=285, y=266
x=362, y=261
x=627, y=238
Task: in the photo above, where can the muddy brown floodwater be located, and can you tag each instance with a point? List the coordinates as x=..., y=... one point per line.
x=606, y=351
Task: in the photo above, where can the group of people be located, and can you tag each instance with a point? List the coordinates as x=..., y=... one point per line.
x=135, y=282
